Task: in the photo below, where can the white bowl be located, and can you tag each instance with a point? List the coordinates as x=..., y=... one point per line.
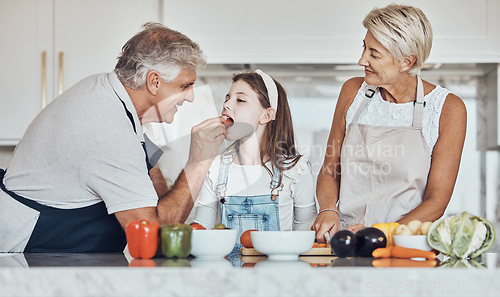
x=212, y=243
x=412, y=241
x=282, y=245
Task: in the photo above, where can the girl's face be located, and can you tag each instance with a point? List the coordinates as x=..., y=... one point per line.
x=243, y=107
x=380, y=66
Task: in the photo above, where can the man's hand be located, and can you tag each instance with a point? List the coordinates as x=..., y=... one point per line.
x=206, y=139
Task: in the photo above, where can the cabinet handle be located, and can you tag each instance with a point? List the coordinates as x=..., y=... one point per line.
x=44, y=79
x=60, y=90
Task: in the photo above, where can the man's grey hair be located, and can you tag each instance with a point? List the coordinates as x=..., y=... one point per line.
x=157, y=48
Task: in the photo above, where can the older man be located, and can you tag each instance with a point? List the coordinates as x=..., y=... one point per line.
x=82, y=172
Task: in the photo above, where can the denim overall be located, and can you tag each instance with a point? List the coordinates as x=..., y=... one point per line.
x=86, y=229
x=242, y=213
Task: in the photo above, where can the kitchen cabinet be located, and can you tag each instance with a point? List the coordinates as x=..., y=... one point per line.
x=49, y=45
x=326, y=31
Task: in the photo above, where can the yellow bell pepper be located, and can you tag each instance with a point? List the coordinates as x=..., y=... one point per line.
x=388, y=229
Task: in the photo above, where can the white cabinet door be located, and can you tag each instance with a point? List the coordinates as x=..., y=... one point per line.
x=25, y=32
x=91, y=33
x=327, y=31
x=88, y=33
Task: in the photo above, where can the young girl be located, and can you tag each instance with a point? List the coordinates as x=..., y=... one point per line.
x=261, y=182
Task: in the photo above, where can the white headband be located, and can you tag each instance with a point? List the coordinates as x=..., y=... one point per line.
x=272, y=90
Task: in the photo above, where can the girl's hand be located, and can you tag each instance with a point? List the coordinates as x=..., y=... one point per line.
x=327, y=221
x=355, y=228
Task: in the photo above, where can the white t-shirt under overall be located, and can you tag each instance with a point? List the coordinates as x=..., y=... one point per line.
x=297, y=204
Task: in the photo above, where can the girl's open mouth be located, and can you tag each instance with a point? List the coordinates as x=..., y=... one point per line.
x=228, y=122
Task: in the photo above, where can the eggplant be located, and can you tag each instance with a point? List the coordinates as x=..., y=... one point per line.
x=343, y=243
x=369, y=239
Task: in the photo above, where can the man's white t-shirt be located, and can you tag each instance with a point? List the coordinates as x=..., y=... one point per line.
x=80, y=150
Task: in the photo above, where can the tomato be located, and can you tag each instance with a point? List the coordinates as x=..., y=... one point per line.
x=196, y=226
x=246, y=239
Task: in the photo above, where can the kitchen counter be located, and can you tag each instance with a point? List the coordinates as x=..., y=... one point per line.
x=119, y=275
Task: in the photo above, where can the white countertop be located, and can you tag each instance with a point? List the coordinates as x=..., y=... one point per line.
x=220, y=278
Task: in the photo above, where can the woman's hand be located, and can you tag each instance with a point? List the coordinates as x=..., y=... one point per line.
x=327, y=221
x=355, y=228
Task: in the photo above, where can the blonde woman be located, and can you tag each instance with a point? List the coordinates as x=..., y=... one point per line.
x=396, y=141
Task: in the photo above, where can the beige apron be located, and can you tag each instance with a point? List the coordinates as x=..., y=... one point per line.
x=384, y=169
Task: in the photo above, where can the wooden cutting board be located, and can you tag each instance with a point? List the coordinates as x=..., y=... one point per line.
x=322, y=251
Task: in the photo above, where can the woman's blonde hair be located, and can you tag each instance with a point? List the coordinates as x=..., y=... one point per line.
x=403, y=30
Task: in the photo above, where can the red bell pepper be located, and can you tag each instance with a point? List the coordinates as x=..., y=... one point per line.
x=142, y=238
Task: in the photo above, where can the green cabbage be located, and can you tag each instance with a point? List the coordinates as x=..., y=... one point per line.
x=461, y=236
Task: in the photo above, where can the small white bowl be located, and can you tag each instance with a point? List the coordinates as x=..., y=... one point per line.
x=282, y=245
x=412, y=241
x=212, y=243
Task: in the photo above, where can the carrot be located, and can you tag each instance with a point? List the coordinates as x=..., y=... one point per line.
x=315, y=245
x=383, y=252
x=402, y=252
x=394, y=262
x=412, y=263
x=384, y=262
x=322, y=245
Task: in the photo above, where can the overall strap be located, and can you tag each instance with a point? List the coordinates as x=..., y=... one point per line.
x=226, y=161
x=276, y=184
x=370, y=91
x=419, y=104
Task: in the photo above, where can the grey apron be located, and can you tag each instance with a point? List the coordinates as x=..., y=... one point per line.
x=384, y=169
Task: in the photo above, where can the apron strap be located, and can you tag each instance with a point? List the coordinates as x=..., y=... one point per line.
x=369, y=92
x=153, y=152
x=419, y=104
x=29, y=203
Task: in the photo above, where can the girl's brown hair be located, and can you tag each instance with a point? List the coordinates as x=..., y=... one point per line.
x=278, y=140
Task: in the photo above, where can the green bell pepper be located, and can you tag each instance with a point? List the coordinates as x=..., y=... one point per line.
x=176, y=240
